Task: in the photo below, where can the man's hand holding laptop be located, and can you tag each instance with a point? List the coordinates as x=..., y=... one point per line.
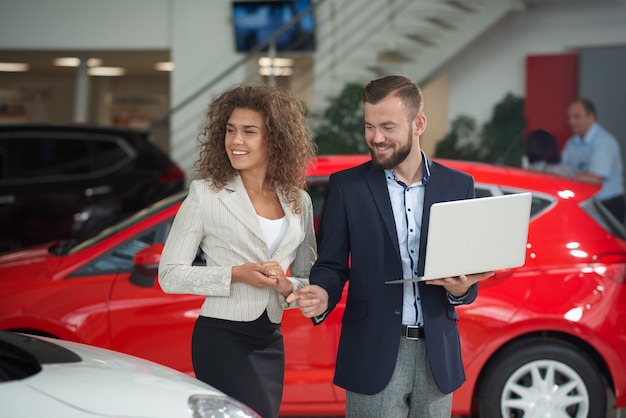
x=459, y=285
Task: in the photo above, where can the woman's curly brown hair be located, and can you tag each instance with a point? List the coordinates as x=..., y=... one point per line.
x=290, y=147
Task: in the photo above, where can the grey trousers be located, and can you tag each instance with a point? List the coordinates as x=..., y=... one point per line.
x=412, y=391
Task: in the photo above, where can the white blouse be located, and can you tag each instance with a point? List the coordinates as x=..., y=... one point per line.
x=274, y=231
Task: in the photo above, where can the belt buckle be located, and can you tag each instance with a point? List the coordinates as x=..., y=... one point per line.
x=406, y=334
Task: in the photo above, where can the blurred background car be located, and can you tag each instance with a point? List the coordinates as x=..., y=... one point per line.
x=53, y=378
x=71, y=181
x=543, y=337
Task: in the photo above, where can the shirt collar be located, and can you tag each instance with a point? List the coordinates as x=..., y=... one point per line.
x=590, y=133
x=425, y=174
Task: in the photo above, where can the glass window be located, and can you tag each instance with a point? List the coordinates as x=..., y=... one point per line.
x=604, y=217
x=49, y=157
x=29, y=156
x=483, y=192
x=109, y=154
x=318, y=192
x=538, y=205
x=4, y=157
x=120, y=259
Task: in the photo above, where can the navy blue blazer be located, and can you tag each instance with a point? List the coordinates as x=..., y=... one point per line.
x=357, y=241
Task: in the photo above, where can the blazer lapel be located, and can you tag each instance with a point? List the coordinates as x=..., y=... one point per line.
x=238, y=202
x=377, y=183
x=294, y=228
x=236, y=199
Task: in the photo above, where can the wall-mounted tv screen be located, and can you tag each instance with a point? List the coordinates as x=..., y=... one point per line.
x=255, y=21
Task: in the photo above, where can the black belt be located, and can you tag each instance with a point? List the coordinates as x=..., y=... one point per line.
x=412, y=332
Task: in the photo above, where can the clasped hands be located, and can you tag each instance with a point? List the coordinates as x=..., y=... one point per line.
x=313, y=300
x=268, y=274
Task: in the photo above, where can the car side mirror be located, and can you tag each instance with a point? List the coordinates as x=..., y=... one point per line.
x=146, y=265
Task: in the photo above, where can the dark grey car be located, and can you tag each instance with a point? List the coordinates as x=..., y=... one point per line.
x=71, y=181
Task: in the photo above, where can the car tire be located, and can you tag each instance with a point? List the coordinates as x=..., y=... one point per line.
x=542, y=377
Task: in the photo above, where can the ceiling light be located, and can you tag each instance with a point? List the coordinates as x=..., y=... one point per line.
x=75, y=62
x=276, y=71
x=275, y=62
x=106, y=71
x=13, y=66
x=94, y=62
x=66, y=62
x=164, y=66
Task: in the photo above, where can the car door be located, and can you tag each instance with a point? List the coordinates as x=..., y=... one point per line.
x=145, y=321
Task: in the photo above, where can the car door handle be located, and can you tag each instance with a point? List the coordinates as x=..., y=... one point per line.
x=97, y=191
x=7, y=199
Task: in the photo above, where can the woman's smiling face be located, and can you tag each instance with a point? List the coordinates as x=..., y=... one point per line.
x=245, y=140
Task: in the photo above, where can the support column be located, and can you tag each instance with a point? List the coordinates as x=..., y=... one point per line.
x=81, y=92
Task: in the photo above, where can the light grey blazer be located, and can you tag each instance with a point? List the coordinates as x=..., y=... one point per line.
x=225, y=226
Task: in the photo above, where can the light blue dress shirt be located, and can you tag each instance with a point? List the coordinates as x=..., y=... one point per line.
x=597, y=153
x=407, y=203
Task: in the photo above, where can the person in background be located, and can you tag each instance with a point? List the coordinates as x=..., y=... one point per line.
x=249, y=214
x=593, y=154
x=543, y=153
x=399, y=351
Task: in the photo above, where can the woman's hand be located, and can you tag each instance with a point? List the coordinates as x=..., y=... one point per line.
x=268, y=274
x=275, y=271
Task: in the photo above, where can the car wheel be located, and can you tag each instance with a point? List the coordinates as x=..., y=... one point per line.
x=539, y=378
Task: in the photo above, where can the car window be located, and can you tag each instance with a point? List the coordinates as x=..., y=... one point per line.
x=318, y=192
x=109, y=154
x=598, y=211
x=37, y=156
x=49, y=157
x=4, y=159
x=483, y=192
x=538, y=204
x=120, y=259
x=122, y=225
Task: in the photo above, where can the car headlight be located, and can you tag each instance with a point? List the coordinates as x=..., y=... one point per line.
x=210, y=406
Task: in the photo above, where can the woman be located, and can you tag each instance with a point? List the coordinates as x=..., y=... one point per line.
x=543, y=153
x=249, y=214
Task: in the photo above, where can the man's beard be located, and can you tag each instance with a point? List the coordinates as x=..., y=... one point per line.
x=396, y=158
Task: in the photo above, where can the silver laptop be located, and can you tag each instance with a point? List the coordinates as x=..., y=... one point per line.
x=476, y=235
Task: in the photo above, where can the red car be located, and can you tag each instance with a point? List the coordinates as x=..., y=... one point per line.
x=544, y=338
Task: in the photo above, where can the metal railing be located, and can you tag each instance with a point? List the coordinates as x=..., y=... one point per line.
x=346, y=31
x=269, y=44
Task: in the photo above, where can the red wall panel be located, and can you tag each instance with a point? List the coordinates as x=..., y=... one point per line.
x=551, y=85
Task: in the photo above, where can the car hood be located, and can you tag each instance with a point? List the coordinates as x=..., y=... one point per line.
x=38, y=257
x=103, y=383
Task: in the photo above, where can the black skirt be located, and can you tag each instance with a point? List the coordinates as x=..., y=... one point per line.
x=245, y=360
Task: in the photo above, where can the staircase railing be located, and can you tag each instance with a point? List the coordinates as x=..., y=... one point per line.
x=354, y=30
x=269, y=43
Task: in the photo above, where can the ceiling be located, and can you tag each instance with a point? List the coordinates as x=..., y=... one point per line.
x=140, y=63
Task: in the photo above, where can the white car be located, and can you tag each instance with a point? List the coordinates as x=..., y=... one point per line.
x=53, y=378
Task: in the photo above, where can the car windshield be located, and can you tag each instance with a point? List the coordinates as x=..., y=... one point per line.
x=71, y=246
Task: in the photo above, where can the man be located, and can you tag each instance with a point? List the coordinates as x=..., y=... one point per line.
x=593, y=154
x=399, y=352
